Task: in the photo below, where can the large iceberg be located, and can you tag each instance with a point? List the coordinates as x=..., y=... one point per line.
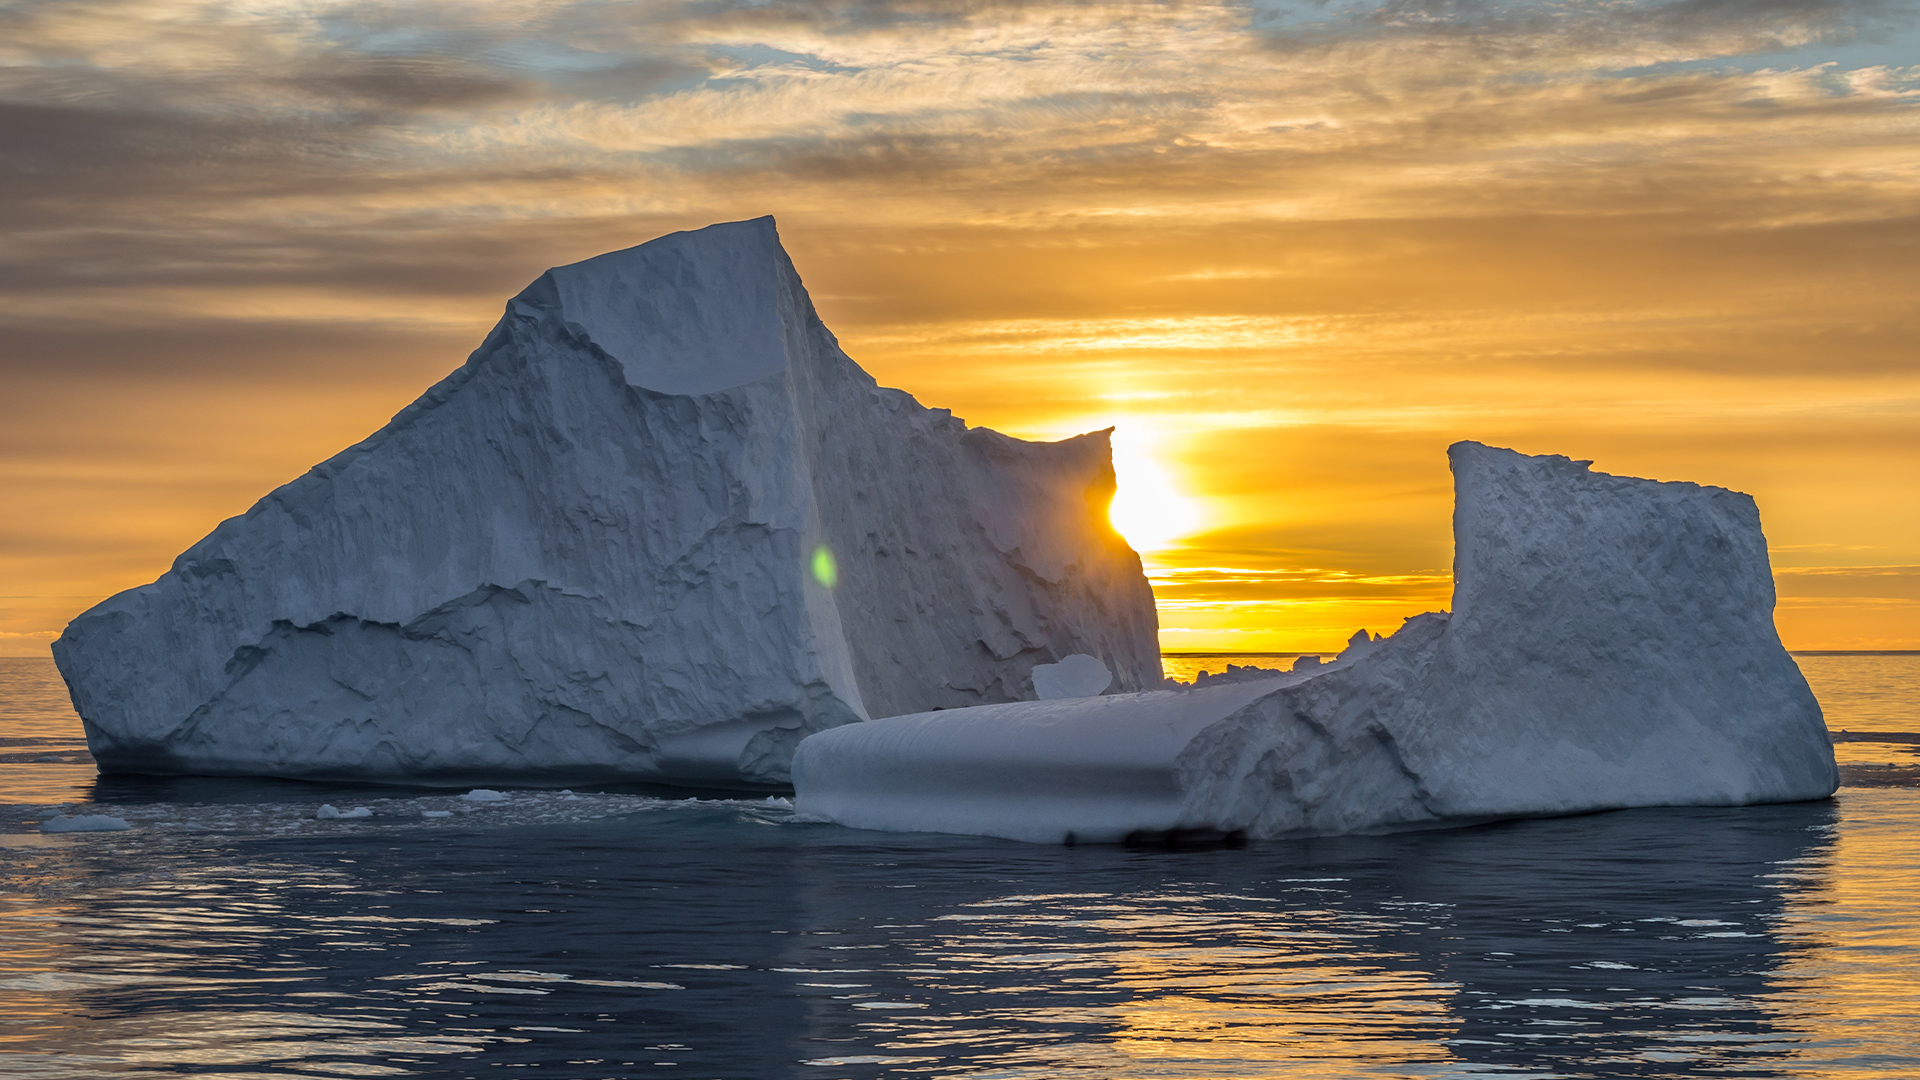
x=1611, y=644
x=659, y=526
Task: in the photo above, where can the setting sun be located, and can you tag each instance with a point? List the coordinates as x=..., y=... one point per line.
x=1149, y=508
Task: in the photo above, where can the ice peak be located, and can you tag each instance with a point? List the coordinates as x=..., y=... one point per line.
x=692, y=312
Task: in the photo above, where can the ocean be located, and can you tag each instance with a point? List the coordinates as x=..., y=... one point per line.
x=620, y=932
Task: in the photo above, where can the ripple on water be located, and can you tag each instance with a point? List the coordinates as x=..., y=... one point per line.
x=231, y=932
x=733, y=939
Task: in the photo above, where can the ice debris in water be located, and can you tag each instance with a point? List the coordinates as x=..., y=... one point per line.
x=84, y=823
x=436, y=813
x=327, y=812
x=481, y=794
x=1238, y=673
x=653, y=454
x=1078, y=675
x=1611, y=644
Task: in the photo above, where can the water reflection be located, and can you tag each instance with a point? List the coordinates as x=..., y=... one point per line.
x=729, y=940
x=1854, y=944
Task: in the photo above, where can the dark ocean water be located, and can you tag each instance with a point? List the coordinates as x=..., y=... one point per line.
x=611, y=934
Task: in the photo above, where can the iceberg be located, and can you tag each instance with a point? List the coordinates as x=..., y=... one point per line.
x=658, y=527
x=1611, y=644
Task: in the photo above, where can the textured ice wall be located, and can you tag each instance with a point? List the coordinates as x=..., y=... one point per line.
x=590, y=552
x=1611, y=645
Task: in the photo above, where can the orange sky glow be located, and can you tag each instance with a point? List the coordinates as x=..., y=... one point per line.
x=1289, y=250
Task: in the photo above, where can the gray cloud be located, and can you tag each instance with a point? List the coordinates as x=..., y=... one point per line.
x=415, y=151
x=268, y=351
x=385, y=88
x=1555, y=32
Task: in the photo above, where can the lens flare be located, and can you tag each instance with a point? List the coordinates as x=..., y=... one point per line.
x=826, y=570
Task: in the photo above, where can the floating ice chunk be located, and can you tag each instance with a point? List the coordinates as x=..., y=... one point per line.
x=1078, y=675
x=481, y=794
x=659, y=452
x=436, y=813
x=356, y=812
x=84, y=823
x=326, y=812
x=1611, y=645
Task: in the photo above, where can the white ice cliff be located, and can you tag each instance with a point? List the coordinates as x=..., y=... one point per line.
x=659, y=526
x=1611, y=644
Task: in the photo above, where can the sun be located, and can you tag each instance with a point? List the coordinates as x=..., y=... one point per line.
x=1149, y=509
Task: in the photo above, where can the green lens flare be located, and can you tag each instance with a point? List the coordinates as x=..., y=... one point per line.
x=825, y=570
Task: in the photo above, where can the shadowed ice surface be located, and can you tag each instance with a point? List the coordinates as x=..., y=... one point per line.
x=231, y=933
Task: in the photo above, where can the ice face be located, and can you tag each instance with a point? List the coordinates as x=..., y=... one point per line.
x=593, y=553
x=1611, y=645
x=690, y=313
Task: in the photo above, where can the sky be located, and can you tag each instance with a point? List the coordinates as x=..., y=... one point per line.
x=1289, y=250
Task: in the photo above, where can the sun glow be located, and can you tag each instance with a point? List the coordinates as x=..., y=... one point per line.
x=1149, y=509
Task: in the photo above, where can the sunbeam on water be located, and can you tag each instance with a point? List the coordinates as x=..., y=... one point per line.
x=232, y=932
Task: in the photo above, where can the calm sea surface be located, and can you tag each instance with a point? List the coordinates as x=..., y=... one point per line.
x=231, y=933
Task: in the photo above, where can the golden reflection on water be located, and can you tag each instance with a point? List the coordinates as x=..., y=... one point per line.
x=1322, y=1015
x=1705, y=940
x=1850, y=982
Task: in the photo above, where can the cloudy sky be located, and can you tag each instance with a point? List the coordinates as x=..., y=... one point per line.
x=1291, y=249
